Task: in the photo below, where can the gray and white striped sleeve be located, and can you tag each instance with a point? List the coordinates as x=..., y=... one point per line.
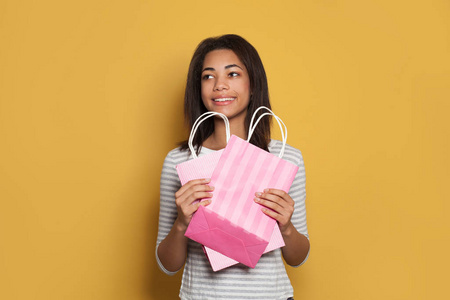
x=297, y=190
x=298, y=193
x=169, y=184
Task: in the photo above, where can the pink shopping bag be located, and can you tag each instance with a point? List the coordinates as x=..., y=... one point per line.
x=233, y=224
x=203, y=167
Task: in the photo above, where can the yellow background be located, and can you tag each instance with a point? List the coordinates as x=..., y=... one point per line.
x=91, y=101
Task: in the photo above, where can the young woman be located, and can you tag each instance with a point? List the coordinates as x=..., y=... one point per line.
x=226, y=75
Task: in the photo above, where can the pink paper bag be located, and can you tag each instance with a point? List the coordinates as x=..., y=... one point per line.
x=203, y=167
x=233, y=224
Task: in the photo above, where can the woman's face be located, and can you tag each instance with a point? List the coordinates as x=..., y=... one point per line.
x=225, y=84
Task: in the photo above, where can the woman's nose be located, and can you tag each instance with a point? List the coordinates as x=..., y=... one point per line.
x=220, y=85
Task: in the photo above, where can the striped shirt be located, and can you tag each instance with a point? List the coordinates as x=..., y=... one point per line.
x=268, y=280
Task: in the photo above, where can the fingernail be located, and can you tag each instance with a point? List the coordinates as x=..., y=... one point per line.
x=258, y=194
x=266, y=190
x=211, y=194
x=256, y=199
x=207, y=179
x=211, y=187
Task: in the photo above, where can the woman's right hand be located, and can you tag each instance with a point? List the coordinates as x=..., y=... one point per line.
x=186, y=197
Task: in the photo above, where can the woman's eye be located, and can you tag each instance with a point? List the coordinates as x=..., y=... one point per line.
x=207, y=76
x=233, y=74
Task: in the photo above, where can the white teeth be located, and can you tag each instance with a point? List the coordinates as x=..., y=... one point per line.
x=224, y=99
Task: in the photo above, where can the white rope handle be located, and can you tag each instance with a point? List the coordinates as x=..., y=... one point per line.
x=279, y=121
x=197, y=123
x=280, y=124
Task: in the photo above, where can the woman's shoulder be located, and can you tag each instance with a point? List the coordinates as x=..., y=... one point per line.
x=177, y=155
x=291, y=153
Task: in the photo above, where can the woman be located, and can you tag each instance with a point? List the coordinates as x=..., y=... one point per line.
x=226, y=75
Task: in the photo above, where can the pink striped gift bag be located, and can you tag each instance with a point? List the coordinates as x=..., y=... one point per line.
x=203, y=167
x=233, y=224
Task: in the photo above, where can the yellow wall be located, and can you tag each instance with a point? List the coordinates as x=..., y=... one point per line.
x=91, y=101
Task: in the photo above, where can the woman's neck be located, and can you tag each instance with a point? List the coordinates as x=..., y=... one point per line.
x=217, y=140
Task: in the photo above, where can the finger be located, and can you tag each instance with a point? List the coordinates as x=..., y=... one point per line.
x=201, y=188
x=187, y=195
x=269, y=204
x=205, y=202
x=280, y=193
x=272, y=198
x=276, y=203
x=196, y=189
x=281, y=220
x=271, y=213
x=190, y=184
x=189, y=210
x=198, y=196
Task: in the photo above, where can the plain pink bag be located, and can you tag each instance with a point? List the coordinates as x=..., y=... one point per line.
x=233, y=224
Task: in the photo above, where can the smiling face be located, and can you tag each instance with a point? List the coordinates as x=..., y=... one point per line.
x=225, y=84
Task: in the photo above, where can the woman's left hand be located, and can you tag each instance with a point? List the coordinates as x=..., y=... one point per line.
x=278, y=205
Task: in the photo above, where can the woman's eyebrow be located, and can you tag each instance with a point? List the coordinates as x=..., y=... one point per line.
x=233, y=65
x=226, y=67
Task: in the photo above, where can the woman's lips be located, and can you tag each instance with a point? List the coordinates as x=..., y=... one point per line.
x=223, y=99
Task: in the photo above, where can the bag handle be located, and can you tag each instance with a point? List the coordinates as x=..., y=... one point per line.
x=197, y=123
x=279, y=121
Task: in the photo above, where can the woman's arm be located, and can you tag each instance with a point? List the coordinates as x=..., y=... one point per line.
x=172, y=250
x=297, y=247
x=280, y=206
